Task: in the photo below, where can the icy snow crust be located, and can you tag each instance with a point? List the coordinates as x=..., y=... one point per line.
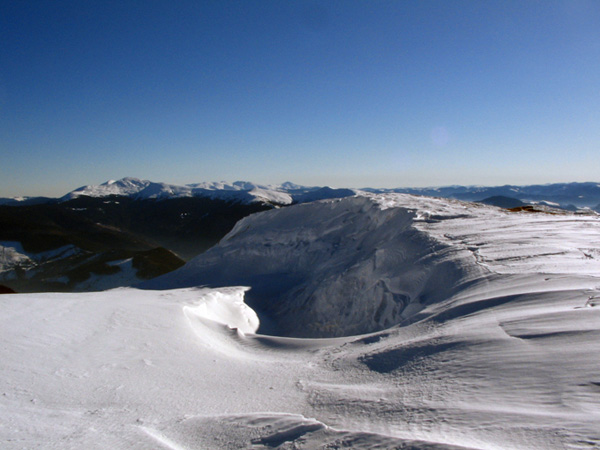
x=506, y=357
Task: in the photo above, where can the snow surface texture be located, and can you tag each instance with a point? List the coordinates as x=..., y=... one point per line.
x=506, y=358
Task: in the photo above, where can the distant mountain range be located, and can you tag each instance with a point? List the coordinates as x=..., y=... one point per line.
x=563, y=195
x=241, y=191
x=91, y=243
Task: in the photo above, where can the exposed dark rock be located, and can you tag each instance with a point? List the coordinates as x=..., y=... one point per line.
x=502, y=201
x=6, y=290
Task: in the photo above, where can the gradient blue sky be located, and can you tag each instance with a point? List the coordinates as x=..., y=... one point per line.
x=342, y=93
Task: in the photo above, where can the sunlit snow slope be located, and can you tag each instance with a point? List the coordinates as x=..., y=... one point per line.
x=497, y=349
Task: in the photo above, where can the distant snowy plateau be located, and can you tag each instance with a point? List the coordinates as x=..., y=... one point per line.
x=374, y=321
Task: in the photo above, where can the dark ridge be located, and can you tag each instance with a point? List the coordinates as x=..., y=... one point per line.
x=187, y=226
x=502, y=201
x=6, y=290
x=528, y=208
x=29, y=201
x=323, y=194
x=100, y=231
x=156, y=262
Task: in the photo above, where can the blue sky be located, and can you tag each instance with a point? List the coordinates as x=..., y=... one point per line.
x=341, y=93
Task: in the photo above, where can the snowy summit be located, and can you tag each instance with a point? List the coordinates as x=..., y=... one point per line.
x=242, y=191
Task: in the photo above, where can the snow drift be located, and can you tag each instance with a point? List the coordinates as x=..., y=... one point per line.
x=365, y=263
x=332, y=268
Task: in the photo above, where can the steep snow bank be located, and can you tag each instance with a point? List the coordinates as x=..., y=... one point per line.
x=361, y=264
x=332, y=268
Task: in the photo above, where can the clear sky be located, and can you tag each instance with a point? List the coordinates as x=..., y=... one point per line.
x=342, y=93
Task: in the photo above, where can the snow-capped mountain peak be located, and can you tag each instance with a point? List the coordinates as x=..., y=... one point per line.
x=570, y=196
x=238, y=191
x=126, y=186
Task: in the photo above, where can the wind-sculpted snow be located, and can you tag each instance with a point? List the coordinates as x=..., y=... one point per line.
x=226, y=307
x=362, y=264
x=281, y=431
x=332, y=268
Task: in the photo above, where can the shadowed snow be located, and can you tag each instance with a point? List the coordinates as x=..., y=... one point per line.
x=332, y=268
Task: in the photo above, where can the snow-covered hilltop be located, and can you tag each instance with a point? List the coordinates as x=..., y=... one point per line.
x=332, y=268
x=361, y=264
x=476, y=329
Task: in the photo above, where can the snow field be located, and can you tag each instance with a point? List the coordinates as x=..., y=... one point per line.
x=497, y=349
